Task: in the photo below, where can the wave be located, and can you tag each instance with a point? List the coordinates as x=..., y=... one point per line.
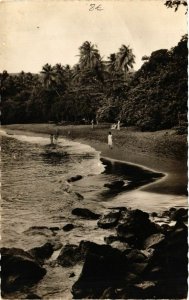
x=88, y=156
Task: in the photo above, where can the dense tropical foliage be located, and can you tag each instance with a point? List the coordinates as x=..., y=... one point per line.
x=151, y=98
x=157, y=94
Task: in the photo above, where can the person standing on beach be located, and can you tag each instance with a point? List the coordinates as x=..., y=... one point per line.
x=51, y=138
x=92, y=124
x=118, y=125
x=110, y=142
x=56, y=136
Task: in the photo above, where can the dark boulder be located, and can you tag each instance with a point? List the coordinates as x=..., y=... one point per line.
x=180, y=215
x=69, y=256
x=154, y=240
x=91, y=247
x=172, y=209
x=135, y=227
x=148, y=252
x=169, y=263
x=19, y=269
x=136, y=255
x=43, y=252
x=114, y=238
x=109, y=220
x=138, y=268
x=85, y=213
x=121, y=246
x=68, y=227
x=166, y=213
x=110, y=239
x=104, y=267
x=165, y=228
x=154, y=214
x=54, y=228
x=115, y=185
x=75, y=178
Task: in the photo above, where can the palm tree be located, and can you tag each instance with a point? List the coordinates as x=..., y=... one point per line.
x=59, y=70
x=59, y=74
x=115, y=74
x=68, y=74
x=89, y=55
x=125, y=59
x=76, y=73
x=49, y=75
x=112, y=63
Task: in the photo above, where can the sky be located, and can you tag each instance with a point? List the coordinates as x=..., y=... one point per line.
x=36, y=32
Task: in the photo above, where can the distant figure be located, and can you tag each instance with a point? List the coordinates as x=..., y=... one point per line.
x=92, y=124
x=56, y=136
x=110, y=143
x=51, y=138
x=118, y=125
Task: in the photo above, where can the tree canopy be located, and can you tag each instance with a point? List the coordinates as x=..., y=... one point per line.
x=106, y=90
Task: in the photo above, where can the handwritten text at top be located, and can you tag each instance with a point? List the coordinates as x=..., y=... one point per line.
x=95, y=7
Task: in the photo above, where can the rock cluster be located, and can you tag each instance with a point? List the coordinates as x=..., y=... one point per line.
x=141, y=258
x=23, y=268
x=85, y=213
x=142, y=261
x=75, y=178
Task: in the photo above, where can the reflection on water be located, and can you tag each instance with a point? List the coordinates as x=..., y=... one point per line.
x=36, y=197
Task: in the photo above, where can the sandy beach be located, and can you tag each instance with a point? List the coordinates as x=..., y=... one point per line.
x=162, y=151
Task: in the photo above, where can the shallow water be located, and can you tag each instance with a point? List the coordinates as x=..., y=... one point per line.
x=37, y=196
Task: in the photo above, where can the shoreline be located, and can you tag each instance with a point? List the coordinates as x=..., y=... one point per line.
x=137, y=146
x=143, y=187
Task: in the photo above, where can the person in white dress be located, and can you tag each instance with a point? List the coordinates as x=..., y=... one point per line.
x=92, y=124
x=118, y=125
x=110, y=142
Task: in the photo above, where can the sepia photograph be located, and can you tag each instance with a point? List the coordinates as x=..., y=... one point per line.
x=94, y=127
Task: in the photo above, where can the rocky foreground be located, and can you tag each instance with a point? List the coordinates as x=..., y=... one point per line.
x=146, y=258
